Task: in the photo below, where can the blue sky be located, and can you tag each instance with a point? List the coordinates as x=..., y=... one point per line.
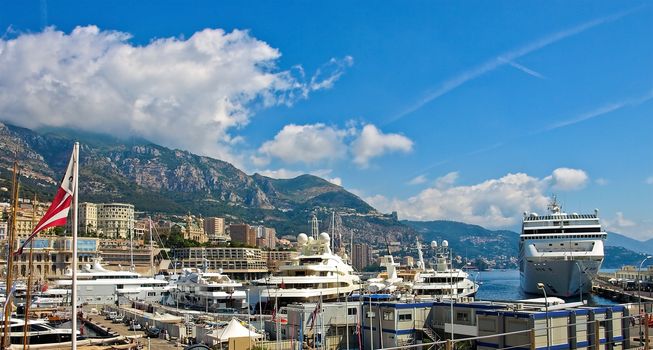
x=473, y=111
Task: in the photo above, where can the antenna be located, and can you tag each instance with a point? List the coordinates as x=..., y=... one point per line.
x=315, y=228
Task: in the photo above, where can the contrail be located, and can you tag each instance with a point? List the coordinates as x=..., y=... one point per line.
x=507, y=57
x=525, y=69
x=599, y=112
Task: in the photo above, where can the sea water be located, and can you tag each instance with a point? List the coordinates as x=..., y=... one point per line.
x=504, y=285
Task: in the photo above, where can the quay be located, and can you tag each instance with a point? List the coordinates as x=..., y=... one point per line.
x=384, y=324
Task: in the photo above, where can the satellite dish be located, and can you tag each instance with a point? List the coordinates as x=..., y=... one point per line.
x=324, y=237
x=302, y=239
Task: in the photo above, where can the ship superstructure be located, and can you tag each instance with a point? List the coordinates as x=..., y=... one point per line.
x=562, y=251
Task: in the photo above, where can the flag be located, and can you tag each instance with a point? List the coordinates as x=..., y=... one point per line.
x=315, y=313
x=282, y=285
x=58, y=211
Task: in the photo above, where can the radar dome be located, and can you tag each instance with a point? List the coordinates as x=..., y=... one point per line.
x=434, y=244
x=310, y=239
x=445, y=243
x=302, y=238
x=324, y=237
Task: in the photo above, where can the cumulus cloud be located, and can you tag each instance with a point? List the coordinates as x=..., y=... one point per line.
x=313, y=143
x=566, y=179
x=491, y=203
x=188, y=93
x=372, y=143
x=418, y=180
x=638, y=229
x=306, y=144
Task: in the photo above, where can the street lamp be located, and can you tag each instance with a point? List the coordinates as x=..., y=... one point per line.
x=540, y=286
x=639, y=294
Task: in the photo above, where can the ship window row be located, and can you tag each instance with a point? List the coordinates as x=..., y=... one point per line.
x=314, y=285
x=442, y=280
x=566, y=237
x=443, y=291
x=559, y=217
x=561, y=230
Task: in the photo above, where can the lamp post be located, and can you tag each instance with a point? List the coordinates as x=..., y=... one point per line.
x=639, y=294
x=540, y=286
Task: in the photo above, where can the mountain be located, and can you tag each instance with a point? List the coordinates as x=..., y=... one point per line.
x=157, y=179
x=618, y=240
x=470, y=241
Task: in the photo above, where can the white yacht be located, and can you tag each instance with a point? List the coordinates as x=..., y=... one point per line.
x=562, y=251
x=40, y=332
x=441, y=281
x=51, y=297
x=97, y=285
x=388, y=282
x=317, y=273
x=209, y=291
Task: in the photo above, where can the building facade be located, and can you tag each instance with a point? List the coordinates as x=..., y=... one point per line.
x=276, y=258
x=52, y=256
x=214, y=226
x=115, y=220
x=243, y=233
x=243, y=264
x=362, y=256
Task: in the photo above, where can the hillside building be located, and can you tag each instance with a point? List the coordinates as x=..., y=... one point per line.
x=243, y=233
x=362, y=256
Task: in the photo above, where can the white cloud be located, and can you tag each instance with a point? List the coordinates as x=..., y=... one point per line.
x=306, y=144
x=602, y=182
x=649, y=180
x=446, y=180
x=637, y=229
x=188, y=93
x=491, y=203
x=418, y=180
x=566, y=179
x=372, y=143
x=314, y=143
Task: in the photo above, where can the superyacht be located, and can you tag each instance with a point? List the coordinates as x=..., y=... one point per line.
x=562, y=251
x=442, y=281
x=315, y=274
x=209, y=291
x=97, y=285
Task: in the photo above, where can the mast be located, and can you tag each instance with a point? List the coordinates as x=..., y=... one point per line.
x=28, y=299
x=333, y=231
x=315, y=231
x=74, y=260
x=10, y=255
x=149, y=220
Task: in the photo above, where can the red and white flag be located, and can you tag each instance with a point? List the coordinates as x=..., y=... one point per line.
x=58, y=211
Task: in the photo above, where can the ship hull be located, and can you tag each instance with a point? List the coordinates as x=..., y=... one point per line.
x=562, y=278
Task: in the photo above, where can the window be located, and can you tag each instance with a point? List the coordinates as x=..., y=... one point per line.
x=351, y=311
x=462, y=316
x=405, y=317
x=388, y=316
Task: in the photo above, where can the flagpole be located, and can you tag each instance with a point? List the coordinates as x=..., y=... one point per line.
x=74, y=243
x=10, y=258
x=28, y=298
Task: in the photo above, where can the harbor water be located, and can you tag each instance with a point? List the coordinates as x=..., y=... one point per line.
x=504, y=285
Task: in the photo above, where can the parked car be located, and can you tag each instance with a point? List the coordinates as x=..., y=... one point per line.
x=118, y=319
x=111, y=315
x=135, y=326
x=153, y=332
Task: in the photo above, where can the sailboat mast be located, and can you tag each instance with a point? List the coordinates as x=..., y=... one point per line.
x=10, y=255
x=28, y=298
x=74, y=260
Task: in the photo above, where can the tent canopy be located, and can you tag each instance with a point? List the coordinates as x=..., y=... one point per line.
x=234, y=330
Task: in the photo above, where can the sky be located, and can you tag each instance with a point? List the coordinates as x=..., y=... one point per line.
x=474, y=111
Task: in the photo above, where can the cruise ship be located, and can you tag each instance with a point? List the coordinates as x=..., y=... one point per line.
x=562, y=251
x=97, y=285
x=209, y=291
x=316, y=273
x=442, y=280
